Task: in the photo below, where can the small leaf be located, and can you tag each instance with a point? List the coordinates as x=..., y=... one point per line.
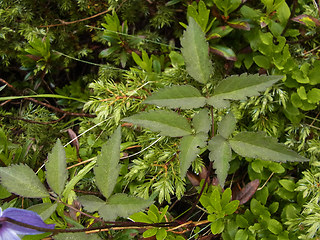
x=227, y=125
x=224, y=52
x=239, y=24
x=231, y=207
x=306, y=20
x=195, y=51
x=262, y=61
x=150, y=232
x=246, y=193
x=107, y=168
x=21, y=180
x=56, y=167
x=314, y=95
x=258, y=145
x=220, y=154
x=241, y=235
x=217, y=226
x=140, y=217
x=274, y=226
x=185, y=97
x=189, y=150
x=122, y=205
x=240, y=87
x=166, y=122
x=201, y=121
x=161, y=234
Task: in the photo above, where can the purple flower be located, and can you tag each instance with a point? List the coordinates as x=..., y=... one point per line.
x=10, y=231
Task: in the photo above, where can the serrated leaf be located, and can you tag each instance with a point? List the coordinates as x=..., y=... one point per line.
x=122, y=205
x=21, y=180
x=195, y=51
x=185, y=97
x=227, y=125
x=76, y=236
x=220, y=155
x=201, y=121
x=107, y=167
x=56, y=167
x=189, y=150
x=240, y=87
x=258, y=145
x=166, y=122
x=91, y=203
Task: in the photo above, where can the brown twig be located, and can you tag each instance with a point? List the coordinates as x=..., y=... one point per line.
x=48, y=105
x=63, y=23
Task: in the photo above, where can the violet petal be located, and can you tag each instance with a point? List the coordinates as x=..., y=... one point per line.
x=6, y=233
x=24, y=216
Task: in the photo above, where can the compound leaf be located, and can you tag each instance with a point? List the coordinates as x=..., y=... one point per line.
x=56, y=167
x=21, y=180
x=195, y=51
x=166, y=122
x=220, y=154
x=189, y=150
x=240, y=87
x=258, y=145
x=185, y=97
x=107, y=168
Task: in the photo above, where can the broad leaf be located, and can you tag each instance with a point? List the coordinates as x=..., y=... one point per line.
x=220, y=154
x=185, y=97
x=91, y=203
x=258, y=145
x=21, y=180
x=122, y=205
x=166, y=122
x=107, y=168
x=239, y=88
x=45, y=210
x=195, y=51
x=201, y=121
x=227, y=125
x=56, y=167
x=189, y=150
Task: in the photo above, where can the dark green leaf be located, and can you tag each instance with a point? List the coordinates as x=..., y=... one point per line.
x=56, y=167
x=107, y=168
x=220, y=154
x=195, y=51
x=45, y=210
x=189, y=150
x=167, y=123
x=21, y=180
x=122, y=205
x=227, y=125
x=258, y=145
x=240, y=87
x=91, y=203
x=185, y=97
x=201, y=121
